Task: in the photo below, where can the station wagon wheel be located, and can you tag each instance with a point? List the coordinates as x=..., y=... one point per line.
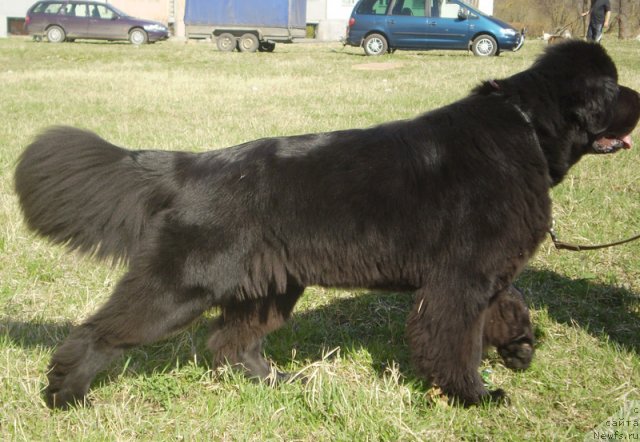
x=55, y=34
x=226, y=42
x=248, y=43
x=138, y=36
x=484, y=46
x=375, y=44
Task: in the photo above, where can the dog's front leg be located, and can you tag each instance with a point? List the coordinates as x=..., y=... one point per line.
x=445, y=334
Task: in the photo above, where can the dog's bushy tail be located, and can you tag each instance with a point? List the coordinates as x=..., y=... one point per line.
x=77, y=189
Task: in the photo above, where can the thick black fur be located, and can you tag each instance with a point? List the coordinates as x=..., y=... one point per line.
x=450, y=205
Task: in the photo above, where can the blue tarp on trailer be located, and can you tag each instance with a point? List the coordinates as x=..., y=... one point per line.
x=267, y=13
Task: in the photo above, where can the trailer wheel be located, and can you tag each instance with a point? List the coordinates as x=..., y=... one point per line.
x=248, y=43
x=267, y=46
x=226, y=42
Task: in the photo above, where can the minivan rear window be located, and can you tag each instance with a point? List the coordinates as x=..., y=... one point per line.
x=373, y=7
x=47, y=8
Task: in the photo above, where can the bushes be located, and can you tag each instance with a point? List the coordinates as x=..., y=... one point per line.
x=552, y=15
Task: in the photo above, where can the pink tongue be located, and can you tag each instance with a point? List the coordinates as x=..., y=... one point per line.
x=627, y=142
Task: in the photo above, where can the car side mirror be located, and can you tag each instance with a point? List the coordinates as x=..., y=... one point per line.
x=463, y=14
x=115, y=17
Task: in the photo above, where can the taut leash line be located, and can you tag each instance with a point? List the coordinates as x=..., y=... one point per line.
x=560, y=245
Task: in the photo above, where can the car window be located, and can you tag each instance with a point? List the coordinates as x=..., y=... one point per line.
x=82, y=10
x=449, y=10
x=67, y=9
x=102, y=12
x=433, y=7
x=47, y=8
x=75, y=10
x=409, y=7
x=373, y=7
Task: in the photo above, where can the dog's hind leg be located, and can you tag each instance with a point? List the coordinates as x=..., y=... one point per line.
x=238, y=333
x=445, y=335
x=141, y=310
x=508, y=328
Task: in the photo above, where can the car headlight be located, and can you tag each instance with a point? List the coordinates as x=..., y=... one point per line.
x=157, y=28
x=508, y=31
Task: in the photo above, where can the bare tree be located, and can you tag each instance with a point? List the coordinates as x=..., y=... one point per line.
x=586, y=6
x=623, y=19
x=561, y=13
x=552, y=15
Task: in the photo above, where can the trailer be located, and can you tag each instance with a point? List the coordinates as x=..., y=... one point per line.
x=247, y=25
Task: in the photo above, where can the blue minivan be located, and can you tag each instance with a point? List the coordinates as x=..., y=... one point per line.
x=381, y=26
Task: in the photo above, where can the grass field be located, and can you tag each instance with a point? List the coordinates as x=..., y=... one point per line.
x=586, y=306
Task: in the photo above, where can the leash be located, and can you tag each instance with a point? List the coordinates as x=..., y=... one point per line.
x=560, y=245
x=559, y=30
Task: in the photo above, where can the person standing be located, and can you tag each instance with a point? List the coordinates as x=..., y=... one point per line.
x=600, y=14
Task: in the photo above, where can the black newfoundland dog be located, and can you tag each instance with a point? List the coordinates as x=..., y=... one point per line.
x=450, y=205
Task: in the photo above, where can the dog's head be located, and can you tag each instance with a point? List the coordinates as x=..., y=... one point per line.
x=617, y=135
x=586, y=84
x=576, y=106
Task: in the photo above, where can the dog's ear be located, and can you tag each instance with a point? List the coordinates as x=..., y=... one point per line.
x=593, y=102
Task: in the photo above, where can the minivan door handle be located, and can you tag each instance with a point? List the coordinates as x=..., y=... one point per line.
x=392, y=21
x=431, y=23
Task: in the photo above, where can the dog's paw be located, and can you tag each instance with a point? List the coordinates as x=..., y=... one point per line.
x=488, y=397
x=517, y=355
x=496, y=397
x=64, y=399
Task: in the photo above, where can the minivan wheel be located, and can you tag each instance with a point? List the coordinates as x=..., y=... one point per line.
x=55, y=34
x=137, y=37
x=484, y=46
x=375, y=44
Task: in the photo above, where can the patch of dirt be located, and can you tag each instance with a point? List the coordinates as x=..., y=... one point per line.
x=377, y=66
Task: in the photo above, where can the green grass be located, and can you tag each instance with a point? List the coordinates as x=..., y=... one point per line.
x=586, y=306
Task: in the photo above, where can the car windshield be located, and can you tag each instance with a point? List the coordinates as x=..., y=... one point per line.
x=472, y=9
